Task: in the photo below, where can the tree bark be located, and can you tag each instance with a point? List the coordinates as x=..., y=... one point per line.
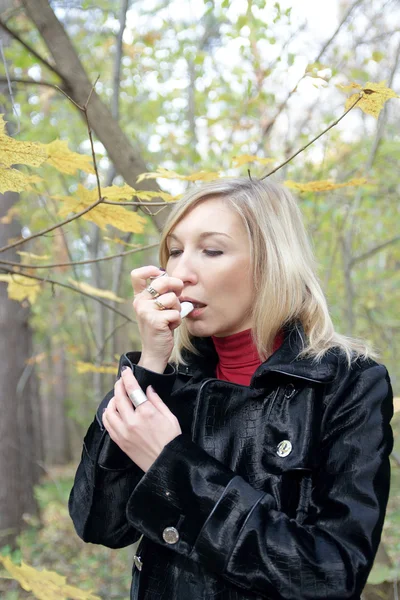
x=19, y=453
x=20, y=438
x=127, y=160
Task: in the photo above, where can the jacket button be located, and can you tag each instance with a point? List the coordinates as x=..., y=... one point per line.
x=289, y=390
x=138, y=562
x=170, y=535
x=284, y=448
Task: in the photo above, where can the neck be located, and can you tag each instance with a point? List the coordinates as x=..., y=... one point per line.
x=238, y=357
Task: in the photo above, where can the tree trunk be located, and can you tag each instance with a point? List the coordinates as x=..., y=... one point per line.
x=19, y=454
x=127, y=161
x=20, y=438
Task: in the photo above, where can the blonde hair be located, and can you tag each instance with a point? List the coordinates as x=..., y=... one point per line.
x=284, y=268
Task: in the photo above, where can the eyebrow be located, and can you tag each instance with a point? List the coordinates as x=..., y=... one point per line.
x=203, y=235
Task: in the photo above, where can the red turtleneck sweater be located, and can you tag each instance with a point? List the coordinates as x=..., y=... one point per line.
x=238, y=356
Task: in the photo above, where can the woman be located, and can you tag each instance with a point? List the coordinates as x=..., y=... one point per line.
x=256, y=464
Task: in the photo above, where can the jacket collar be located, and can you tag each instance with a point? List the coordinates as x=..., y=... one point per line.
x=283, y=361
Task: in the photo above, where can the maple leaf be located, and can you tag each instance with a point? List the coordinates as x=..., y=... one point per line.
x=13, y=212
x=45, y=585
x=84, y=367
x=118, y=240
x=166, y=174
x=323, y=185
x=12, y=180
x=103, y=214
x=248, y=158
x=21, y=288
x=15, y=152
x=93, y=291
x=34, y=256
x=374, y=96
x=65, y=160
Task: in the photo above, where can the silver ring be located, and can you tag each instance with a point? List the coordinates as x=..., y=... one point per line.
x=152, y=291
x=159, y=304
x=137, y=397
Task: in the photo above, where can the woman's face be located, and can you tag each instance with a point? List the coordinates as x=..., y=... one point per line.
x=209, y=251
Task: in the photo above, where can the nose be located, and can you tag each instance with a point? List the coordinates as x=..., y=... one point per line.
x=183, y=267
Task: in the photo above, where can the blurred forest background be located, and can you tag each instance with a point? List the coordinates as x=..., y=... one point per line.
x=189, y=86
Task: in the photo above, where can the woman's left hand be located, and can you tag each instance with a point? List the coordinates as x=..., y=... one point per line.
x=143, y=432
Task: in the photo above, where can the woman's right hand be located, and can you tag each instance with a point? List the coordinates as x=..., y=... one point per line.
x=156, y=326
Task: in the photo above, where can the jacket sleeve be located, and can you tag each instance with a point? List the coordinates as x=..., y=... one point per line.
x=106, y=476
x=236, y=531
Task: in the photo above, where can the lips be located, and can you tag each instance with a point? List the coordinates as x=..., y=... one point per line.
x=195, y=303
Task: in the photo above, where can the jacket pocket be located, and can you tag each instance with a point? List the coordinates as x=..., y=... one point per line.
x=295, y=493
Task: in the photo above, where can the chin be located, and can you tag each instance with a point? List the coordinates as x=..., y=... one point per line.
x=198, y=329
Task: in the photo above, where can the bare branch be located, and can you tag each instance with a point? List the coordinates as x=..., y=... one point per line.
x=68, y=287
x=15, y=35
x=78, y=262
x=282, y=106
x=313, y=140
x=44, y=231
x=375, y=250
x=141, y=203
x=27, y=81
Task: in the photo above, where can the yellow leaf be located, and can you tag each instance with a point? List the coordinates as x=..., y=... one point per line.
x=323, y=185
x=34, y=179
x=374, y=96
x=14, y=152
x=248, y=158
x=12, y=180
x=14, y=211
x=118, y=240
x=38, y=358
x=377, y=56
x=84, y=367
x=147, y=195
x=20, y=287
x=166, y=174
x=89, y=289
x=65, y=160
x=115, y=193
x=118, y=192
x=31, y=255
x=313, y=69
x=349, y=88
x=45, y=585
x=103, y=214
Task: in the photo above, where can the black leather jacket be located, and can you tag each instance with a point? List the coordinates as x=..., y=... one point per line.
x=275, y=490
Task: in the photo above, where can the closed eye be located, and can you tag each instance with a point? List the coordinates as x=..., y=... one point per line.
x=173, y=253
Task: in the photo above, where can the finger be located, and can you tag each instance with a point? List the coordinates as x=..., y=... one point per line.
x=110, y=423
x=123, y=402
x=166, y=284
x=169, y=300
x=139, y=277
x=130, y=382
x=156, y=401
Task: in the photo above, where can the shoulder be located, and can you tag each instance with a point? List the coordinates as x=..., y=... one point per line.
x=360, y=389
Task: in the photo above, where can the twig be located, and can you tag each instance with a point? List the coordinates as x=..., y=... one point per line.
x=8, y=80
x=30, y=49
x=110, y=335
x=68, y=287
x=27, y=81
x=93, y=205
x=313, y=140
x=56, y=226
x=141, y=203
x=373, y=251
x=78, y=262
x=64, y=93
